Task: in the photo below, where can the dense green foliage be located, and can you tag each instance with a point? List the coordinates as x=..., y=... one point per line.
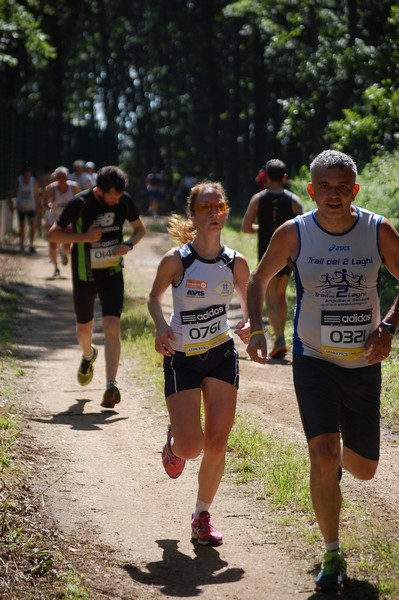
x=206, y=86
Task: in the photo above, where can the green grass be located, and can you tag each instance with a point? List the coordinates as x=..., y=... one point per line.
x=10, y=372
x=390, y=389
x=8, y=305
x=379, y=186
x=280, y=467
x=381, y=558
x=138, y=334
x=245, y=243
x=9, y=429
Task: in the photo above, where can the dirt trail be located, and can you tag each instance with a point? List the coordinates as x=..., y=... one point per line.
x=104, y=478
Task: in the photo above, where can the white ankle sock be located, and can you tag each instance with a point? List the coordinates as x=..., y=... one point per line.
x=331, y=546
x=200, y=507
x=90, y=356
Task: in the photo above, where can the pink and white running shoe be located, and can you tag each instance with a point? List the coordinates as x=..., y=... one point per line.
x=204, y=532
x=172, y=464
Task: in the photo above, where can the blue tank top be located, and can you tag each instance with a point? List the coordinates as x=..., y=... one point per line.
x=337, y=280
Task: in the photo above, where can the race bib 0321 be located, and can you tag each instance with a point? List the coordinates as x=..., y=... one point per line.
x=344, y=332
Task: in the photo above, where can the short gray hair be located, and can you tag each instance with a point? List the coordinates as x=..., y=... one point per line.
x=333, y=158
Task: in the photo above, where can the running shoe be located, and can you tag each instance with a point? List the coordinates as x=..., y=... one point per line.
x=172, y=464
x=85, y=372
x=111, y=397
x=56, y=272
x=32, y=250
x=64, y=259
x=279, y=348
x=204, y=532
x=333, y=572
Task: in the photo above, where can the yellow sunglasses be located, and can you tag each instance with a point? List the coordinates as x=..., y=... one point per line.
x=207, y=208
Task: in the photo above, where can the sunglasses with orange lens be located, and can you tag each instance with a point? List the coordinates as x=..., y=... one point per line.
x=206, y=208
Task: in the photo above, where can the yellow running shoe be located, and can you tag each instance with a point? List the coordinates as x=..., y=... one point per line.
x=86, y=371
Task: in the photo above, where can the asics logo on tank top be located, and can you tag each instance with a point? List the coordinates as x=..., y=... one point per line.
x=339, y=248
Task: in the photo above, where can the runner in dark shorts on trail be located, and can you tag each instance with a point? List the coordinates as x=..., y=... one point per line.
x=337, y=251
x=200, y=358
x=97, y=217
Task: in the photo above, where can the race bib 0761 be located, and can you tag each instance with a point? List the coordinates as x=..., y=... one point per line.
x=204, y=329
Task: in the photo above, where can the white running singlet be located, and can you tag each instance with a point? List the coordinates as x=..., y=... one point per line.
x=337, y=282
x=25, y=195
x=60, y=200
x=200, y=301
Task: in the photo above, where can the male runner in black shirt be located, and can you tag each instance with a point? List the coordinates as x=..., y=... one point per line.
x=93, y=222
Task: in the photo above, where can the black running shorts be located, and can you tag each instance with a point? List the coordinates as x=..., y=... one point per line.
x=187, y=372
x=110, y=290
x=26, y=214
x=334, y=399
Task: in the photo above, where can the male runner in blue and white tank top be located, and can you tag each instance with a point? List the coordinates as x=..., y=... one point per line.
x=339, y=339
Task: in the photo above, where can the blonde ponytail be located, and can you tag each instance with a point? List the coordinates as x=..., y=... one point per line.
x=180, y=229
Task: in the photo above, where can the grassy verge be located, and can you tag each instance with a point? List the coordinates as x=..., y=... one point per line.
x=138, y=342
x=390, y=390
